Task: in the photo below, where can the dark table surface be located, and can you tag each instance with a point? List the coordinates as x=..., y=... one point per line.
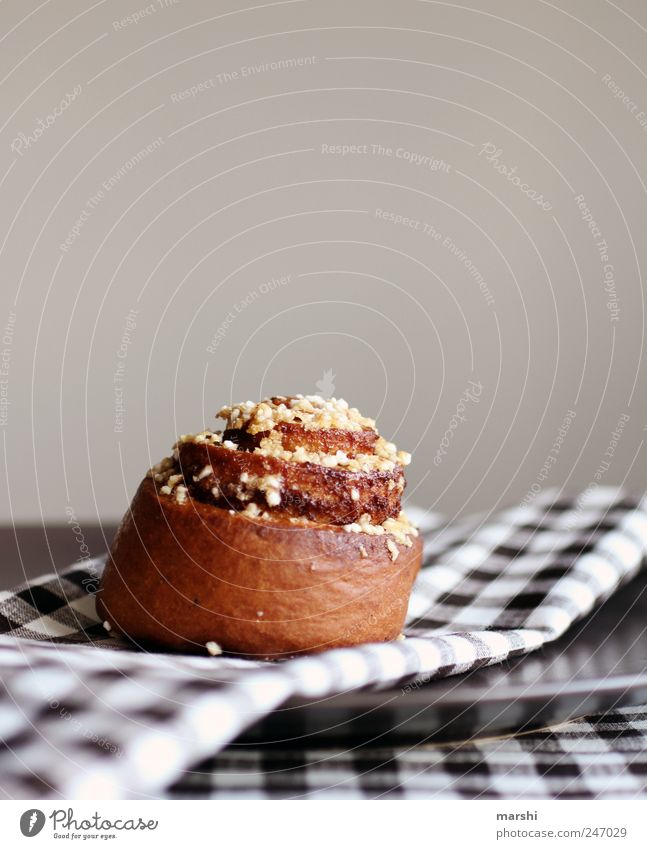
x=31, y=550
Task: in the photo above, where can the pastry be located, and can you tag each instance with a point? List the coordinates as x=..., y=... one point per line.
x=279, y=535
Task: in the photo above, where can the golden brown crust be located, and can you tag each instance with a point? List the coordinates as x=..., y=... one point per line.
x=182, y=575
x=319, y=493
x=324, y=440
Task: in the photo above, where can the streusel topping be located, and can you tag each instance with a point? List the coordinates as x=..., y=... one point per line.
x=276, y=429
x=385, y=458
x=400, y=528
x=313, y=411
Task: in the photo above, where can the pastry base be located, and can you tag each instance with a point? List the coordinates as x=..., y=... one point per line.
x=182, y=575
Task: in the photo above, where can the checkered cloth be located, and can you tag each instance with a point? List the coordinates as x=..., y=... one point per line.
x=78, y=721
x=602, y=756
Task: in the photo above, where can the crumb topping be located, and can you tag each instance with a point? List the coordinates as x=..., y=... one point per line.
x=181, y=494
x=253, y=511
x=393, y=549
x=251, y=492
x=271, y=485
x=400, y=529
x=249, y=485
x=213, y=648
x=161, y=471
x=171, y=482
x=313, y=411
x=207, y=437
x=204, y=473
x=384, y=459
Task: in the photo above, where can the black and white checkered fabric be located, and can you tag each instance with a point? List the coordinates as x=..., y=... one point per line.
x=601, y=756
x=79, y=721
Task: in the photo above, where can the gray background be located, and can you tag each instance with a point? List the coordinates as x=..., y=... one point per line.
x=239, y=190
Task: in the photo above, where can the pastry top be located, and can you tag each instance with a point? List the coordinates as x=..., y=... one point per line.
x=332, y=448
x=301, y=458
x=312, y=411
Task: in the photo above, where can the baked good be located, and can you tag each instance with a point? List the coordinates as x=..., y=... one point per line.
x=279, y=535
